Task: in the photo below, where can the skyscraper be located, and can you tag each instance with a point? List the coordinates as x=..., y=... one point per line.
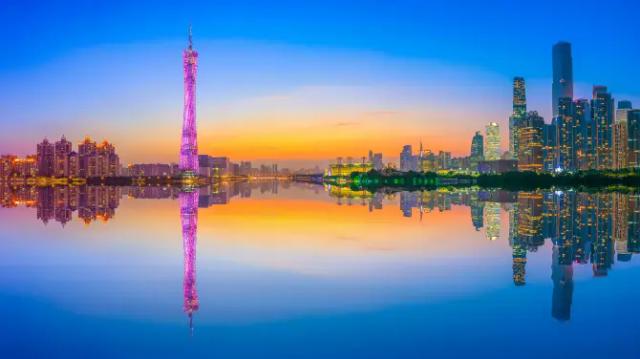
x=45, y=158
x=633, y=138
x=565, y=145
x=519, y=113
x=189, y=145
x=408, y=161
x=530, y=138
x=562, y=74
x=583, y=132
x=477, y=150
x=492, y=148
x=602, y=112
x=62, y=151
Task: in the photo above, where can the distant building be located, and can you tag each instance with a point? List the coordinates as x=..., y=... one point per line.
x=408, y=162
x=497, y=166
x=492, y=147
x=62, y=150
x=376, y=161
x=477, y=150
x=633, y=138
x=152, y=170
x=46, y=158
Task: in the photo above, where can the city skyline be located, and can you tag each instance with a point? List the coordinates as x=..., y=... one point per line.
x=254, y=104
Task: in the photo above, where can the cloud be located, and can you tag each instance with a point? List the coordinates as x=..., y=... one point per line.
x=347, y=123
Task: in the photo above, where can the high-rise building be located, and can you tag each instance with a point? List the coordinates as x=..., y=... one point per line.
x=444, y=160
x=584, y=135
x=189, y=144
x=633, y=138
x=620, y=135
x=565, y=144
x=87, y=158
x=376, y=161
x=63, y=149
x=407, y=159
x=492, y=147
x=45, y=155
x=477, y=150
x=562, y=74
x=602, y=112
x=518, y=114
x=530, y=137
x=549, y=146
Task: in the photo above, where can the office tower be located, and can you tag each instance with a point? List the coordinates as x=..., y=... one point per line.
x=62, y=151
x=565, y=145
x=602, y=113
x=376, y=161
x=633, y=138
x=584, y=135
x=530, y=142
x=444, y=160
x=549, y=146
x=620, y=135
x=407, y=159
x=519, y=113
x=45, y=158
x=492, y=148
x=477, y=151
x=562, y=74
x=189, y=143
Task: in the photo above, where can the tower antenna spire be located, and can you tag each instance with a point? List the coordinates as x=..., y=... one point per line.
x=190, y=38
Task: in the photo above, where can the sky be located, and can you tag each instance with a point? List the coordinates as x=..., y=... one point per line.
x=298, y=83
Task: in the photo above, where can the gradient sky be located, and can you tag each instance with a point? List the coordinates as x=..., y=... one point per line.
x=296, y=82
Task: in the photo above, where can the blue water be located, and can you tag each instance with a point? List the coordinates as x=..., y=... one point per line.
x=291, y=273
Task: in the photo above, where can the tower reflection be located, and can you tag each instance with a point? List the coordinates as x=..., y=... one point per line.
x=189, y=221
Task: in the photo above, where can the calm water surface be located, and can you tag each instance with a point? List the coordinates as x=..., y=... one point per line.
x=286, y=270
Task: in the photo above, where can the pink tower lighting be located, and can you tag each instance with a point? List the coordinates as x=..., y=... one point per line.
x=189, y=144
x=189, y=220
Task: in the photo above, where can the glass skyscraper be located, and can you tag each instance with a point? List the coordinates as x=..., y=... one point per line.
x=519, y=113
x=562, y=74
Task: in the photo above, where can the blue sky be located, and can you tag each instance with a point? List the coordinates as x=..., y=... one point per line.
x=98, y=67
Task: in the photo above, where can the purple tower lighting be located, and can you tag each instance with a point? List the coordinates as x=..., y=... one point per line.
x=189, y=220
x=189, y=144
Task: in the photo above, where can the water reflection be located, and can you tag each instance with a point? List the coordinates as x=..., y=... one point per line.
x=583, y=228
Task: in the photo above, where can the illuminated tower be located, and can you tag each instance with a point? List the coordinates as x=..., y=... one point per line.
x=519, y=113
x=189, y=220
x=189, y=144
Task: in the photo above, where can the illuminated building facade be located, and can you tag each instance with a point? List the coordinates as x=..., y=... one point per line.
x=602, y=112
x=45, y=153
x=633, y=138
x=519, y=112
x=492, y=147
x=530, y=142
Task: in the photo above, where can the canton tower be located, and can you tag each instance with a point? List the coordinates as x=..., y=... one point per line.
x=189, y=221
x=189, y=144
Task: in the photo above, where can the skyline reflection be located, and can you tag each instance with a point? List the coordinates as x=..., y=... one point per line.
x=599, y=229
